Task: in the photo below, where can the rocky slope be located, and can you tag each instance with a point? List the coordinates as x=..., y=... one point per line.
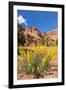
x=32, y=34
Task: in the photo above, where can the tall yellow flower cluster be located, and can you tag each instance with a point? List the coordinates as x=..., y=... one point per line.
x=37, y=56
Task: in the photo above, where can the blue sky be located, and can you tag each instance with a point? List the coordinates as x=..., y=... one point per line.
x=43, y=20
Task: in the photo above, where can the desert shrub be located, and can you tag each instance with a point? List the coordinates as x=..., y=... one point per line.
x=37, y=60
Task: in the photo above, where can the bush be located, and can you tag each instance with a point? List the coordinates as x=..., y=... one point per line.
x=37, y=60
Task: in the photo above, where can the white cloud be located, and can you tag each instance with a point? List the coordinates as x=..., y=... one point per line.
x=22, y=20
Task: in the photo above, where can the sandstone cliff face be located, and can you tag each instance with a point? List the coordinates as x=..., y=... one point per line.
x=33, y=32
x=32, y=35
